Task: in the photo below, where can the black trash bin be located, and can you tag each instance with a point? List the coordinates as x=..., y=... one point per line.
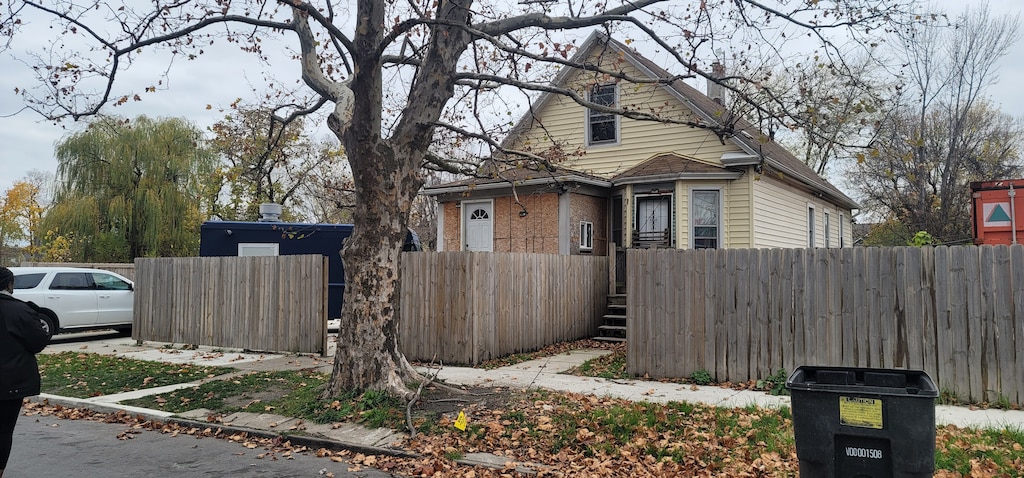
x=861, y=422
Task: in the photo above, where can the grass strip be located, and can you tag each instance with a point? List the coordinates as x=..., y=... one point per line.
x=83, y=375
x=287, y=393
x=611, y=366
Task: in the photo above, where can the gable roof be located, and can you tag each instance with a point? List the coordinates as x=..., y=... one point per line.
x=671, y=166
x=748, y=137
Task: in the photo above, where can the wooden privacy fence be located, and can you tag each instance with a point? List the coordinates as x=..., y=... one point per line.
x=255, y=303
x=127, y=270
x=467, y=307
x=955, y=312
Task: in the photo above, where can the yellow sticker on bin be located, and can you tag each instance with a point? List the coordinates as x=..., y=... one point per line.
x=860, y=412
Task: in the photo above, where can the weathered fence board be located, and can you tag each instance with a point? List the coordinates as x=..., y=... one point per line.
x=956, y=312
x=255, y=303
x=463, y=307
x=1017, y=278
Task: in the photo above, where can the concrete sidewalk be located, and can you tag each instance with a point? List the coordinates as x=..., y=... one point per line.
x=546, y=373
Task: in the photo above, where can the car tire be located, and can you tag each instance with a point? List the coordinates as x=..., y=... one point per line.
x=49, y=325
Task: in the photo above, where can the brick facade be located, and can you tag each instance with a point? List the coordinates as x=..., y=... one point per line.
x=537, y=231
x=592, y=209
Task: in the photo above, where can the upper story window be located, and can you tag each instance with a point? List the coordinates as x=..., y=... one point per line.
x=602, y=128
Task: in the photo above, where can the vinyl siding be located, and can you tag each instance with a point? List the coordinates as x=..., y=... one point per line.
x=736, y=210
x=682, y=208
x=564, y=122
x=780, y=216
x=738, y=213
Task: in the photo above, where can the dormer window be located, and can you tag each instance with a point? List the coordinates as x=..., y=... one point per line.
x=602, y=127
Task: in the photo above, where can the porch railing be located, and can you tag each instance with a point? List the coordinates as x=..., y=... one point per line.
x=648, y=239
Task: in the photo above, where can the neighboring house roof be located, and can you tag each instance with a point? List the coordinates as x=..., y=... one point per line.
x=748, y=137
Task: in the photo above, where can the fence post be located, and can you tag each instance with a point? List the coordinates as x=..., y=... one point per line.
x=612, y=250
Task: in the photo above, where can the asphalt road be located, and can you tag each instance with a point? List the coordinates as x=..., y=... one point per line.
x=48, y=446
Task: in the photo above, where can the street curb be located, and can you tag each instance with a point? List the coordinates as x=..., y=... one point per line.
x=312, y=442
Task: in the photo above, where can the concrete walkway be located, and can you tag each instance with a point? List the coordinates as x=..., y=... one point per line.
x=546, y=373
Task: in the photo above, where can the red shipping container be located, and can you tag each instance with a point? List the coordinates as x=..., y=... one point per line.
x=997, y=210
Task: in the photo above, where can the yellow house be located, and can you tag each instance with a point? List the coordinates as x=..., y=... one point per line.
x=623, y=181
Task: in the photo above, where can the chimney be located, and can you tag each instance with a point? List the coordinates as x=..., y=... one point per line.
x=716, y=91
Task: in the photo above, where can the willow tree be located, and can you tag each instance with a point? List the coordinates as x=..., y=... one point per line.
x=415, y=85
x=128, y=189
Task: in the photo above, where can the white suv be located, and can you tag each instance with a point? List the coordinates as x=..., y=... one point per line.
x=74, y=299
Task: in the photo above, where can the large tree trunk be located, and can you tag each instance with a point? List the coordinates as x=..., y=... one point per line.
x=368, y=355
x=387, y=177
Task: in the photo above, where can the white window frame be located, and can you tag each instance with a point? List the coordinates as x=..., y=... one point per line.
x=827, y=226
x=586, y=236
x=258, y=249
x=589, y=120
x=721, y=219
x=812, y=232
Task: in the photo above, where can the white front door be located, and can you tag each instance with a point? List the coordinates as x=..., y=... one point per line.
x=479, y=220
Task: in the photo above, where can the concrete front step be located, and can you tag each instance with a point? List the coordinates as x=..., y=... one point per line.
x=610, y=339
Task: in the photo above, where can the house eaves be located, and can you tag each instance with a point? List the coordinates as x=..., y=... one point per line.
x=725, y=175
x=814, y=183
x=439, y=190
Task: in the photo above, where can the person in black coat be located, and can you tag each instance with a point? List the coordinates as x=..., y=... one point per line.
x=21, y=338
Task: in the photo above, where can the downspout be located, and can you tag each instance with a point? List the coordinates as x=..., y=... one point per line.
x=439, y=242
x=564, y=221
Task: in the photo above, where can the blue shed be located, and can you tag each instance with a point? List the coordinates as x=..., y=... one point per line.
x=233, y=238
x=270, y=238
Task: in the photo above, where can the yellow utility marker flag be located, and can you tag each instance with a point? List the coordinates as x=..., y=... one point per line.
x=460, y=421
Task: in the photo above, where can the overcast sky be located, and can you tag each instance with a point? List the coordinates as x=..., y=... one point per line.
x=217, y=80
